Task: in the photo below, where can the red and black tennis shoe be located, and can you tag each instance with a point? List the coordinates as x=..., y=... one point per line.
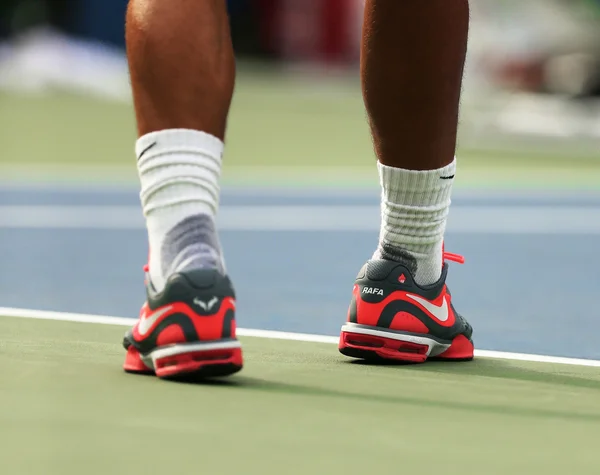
x=392, y=318
x=187, y=330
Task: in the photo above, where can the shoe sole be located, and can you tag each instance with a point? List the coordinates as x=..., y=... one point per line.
x=378, y=345
x=188, y=361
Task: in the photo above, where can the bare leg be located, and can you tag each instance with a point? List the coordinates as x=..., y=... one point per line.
x=413, y=55
x=412, y=62
x=181, y=63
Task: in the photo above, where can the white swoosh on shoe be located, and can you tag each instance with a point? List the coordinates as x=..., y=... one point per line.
x=146, y=323
x=441, y=313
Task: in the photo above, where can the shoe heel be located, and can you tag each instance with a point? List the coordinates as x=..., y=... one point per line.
x=372, y=347
x=198, y=360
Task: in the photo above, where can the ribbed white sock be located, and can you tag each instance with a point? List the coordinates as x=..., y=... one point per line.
x=414, y=209
x=179, y=172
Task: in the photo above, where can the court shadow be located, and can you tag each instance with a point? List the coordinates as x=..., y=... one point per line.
x=504, y=369
x=378, y=363
x=483, y=367
x=232, y=381
x=263, y=385
x=488, y=367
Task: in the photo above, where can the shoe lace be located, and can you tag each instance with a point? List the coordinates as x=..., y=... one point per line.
x=448, y=256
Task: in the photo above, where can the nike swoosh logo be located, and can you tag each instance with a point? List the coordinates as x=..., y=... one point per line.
x=146, y=323
x=447, y=177
x=145, y=150
x=441, y=312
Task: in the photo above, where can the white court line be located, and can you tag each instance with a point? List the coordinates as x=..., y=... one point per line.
x=276, y=335
x=463, y=219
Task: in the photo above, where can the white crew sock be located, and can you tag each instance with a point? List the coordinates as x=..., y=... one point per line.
x=414, y=209
x=179, y=172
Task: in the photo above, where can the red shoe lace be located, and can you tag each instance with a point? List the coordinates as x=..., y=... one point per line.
x=448, y=256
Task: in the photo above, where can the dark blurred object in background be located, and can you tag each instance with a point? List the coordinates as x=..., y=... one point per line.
x=104, y=21
x=533, y=46
x=18, y=16
x=307, y=30
x=79, y=44
x=325, y=32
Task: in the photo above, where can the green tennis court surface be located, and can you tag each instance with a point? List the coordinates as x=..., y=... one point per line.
x=297, y=408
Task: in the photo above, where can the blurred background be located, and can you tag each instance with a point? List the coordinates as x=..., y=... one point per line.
x=529, y=164
x=532, y=85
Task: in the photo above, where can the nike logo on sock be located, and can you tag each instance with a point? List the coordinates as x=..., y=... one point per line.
x=146, y=149
x=447, y=177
